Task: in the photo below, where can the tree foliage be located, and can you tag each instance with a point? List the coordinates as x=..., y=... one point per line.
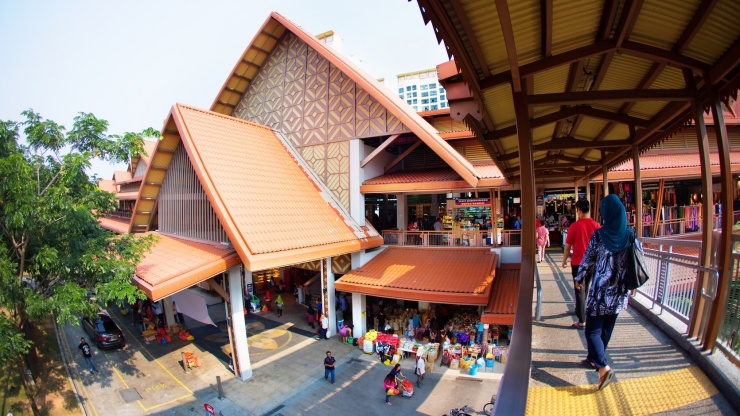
x=52, y=250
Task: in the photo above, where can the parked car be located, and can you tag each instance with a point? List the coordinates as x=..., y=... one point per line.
x=103, y=332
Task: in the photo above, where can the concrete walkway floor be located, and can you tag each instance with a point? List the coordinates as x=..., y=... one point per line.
x=652, y=375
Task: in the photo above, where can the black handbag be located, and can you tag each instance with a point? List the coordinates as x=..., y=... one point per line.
x=636, y=273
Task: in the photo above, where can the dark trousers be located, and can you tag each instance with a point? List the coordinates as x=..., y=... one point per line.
x=581, y=295
x=598, y=332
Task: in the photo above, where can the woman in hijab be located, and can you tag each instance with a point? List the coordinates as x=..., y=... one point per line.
x=606, y=257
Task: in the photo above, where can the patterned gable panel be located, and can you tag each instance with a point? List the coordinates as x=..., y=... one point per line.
x=315, y=63
x=295, y=47
x=371, y=115
x=339, y=82
x=311, y=265
x=341, y=264
x=337, y=171
x=315, y=158
x=393, y=124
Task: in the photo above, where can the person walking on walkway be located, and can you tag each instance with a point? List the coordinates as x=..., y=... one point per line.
x=389, y=385
x=579, y=235
x=543, y=239
x=87, y=354
x=606, y=256
x=279, y=304
x=419, y=369
x=329, y=362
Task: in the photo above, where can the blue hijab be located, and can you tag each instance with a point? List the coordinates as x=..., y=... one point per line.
x=614, y=233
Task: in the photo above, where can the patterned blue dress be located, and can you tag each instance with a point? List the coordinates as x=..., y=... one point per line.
x=607, y=294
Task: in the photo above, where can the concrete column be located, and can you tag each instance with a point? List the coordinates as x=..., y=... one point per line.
x=240, y=352
x=168, y=312
x=605, y=174
x=327, y=282
x=359, y=320
x=401, y=220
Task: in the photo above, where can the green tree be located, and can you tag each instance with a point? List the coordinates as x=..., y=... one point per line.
x=52, y=249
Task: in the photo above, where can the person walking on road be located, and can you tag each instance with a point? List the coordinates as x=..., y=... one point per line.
x=606, y=256
x=87, y=353
x=579, y=235
x=279, y=304
x=329, y=363
x=419, y=369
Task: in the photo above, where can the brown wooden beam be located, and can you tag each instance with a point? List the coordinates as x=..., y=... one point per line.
x=700, y=16
x=571, y=143
x=658, y=209
x=242, y=77
x=218, y=289
x=724, y=250
x=588, y=97
x=728, y=62
x=507, y=30
x=566, y=165
x=597, y=48
x=608, y=14
x=627, y=20
x=546, y=27
x=378, y=150
x=225, y=103
x=401, y=156
x=651, y=53
x=465, y=23
x=509, y=156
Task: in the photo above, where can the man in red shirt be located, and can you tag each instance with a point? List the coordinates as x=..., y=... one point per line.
x=579, y=235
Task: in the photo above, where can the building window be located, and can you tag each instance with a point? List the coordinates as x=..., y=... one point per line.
x=408, y=102
x=424, y=87
x=400, y=96
x=441, y=90
x=425, y=101
x=442, y=97
x=400, y=89
x=413, y=88
x=432, y=100
x=425, y=94
x=408, y=88
x=415, y=102
x=434, y=107
x=443, y=105
x=413, y=94
x=433, y=93
x=426, y=108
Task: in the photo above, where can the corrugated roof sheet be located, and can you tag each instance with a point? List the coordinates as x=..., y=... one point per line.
x=175, y=263
x=501, y=308
x=445, y=275
x=274, y=210
x=668, y=166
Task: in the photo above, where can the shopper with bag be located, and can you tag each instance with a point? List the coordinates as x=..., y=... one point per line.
x=608, y=248
x=389, y=386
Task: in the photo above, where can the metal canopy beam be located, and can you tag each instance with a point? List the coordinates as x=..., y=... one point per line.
x=570, y=143
x=502, y=7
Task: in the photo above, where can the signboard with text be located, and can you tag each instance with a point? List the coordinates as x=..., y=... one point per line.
x=472, y=202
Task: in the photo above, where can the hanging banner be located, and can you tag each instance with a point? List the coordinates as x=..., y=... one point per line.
x=193, y=305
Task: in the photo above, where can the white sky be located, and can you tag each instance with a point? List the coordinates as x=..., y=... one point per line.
x=129, y=62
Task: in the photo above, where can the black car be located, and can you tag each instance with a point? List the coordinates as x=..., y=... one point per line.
x=103, y=332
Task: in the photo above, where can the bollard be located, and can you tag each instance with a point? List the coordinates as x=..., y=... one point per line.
x=184, y=363
x=220, y=389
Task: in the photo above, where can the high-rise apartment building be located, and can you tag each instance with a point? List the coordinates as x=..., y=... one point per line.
x=421, y=90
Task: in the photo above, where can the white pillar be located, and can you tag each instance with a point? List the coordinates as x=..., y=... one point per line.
x=168, y=312
x=240, y=353
x=329, y=309
x=401, y=221
x=359, y=320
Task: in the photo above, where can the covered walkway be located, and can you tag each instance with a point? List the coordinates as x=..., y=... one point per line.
x=652, y=373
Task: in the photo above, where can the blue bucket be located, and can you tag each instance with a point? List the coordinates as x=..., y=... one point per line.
x=473, y=370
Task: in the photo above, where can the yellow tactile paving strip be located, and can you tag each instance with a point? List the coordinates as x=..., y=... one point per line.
x=639, y=396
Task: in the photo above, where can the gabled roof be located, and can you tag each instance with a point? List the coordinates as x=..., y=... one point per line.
x=443, y=275
x=122, y=176
x=668, y=165
x=439, y=179
x=264, y=43
x=175, y=263
x=115, y=224
x=274, y=211
x=108, y=185
x=149, y=146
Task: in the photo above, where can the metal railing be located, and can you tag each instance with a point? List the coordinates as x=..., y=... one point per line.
x=452, y=238
x=675, y=275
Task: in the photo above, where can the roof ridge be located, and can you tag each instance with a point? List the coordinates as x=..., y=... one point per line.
x=251, y=123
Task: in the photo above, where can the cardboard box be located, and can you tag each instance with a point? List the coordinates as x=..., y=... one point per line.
x=503, y=358
x=429, y=366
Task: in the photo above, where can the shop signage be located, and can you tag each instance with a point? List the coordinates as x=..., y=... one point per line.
x=472, y=202
x=540, y=201
x=250, y=288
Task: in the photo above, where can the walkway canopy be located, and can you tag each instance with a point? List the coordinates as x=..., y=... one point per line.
x=445, y=275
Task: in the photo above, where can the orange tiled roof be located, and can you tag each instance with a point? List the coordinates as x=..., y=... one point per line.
x=272, y=209
x=668, y=166
x=432, y=180
x=262, y=45
x=501, y=308
x=175, y=263
x=447, y=275
x=117, y=225
x=108, y=185
x=121, y=176
x=127, y=195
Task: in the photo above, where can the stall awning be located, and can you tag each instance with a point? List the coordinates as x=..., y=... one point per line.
x=501, y=307
x=441, y=275
x=175, y=263
x=433, y=180
x=669, y=165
